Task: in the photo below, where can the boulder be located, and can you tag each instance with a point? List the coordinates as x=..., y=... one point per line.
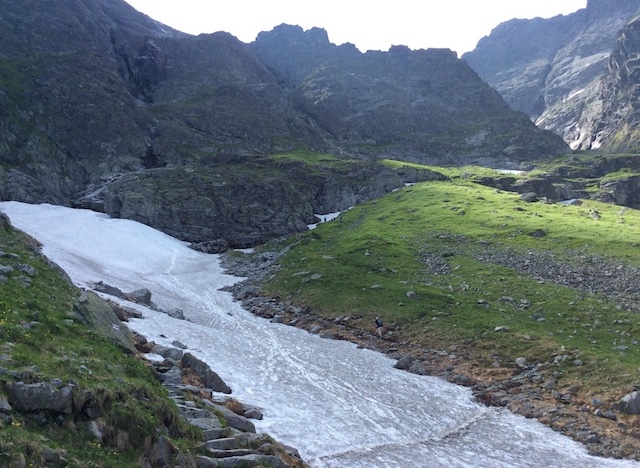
x=5, y=407
x=95, y=313
x=55, y=457
x=141, y=296
x=246, y=461
x=405, y=362
x=419, y=368
x=174, y=354
x=5, y=222
x=40, y=396
x=529, y=197
x=211, y=427
x=162, y=452
x=209, y=378
x=223, y=443
x=537, y=233
x=629, y=404
x=253, y=413
x=521, y=362
x=88, y=403
x=171, y=376
x=176, y=314
x=233, y=420
x=108, y=289
x=413, y=295
x=28, y=269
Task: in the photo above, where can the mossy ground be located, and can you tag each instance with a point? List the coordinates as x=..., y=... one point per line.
x=363, y=265
x=41, y=341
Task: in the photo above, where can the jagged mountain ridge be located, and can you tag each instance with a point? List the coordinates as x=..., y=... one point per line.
x=97, y=98
x=552, y=69
x=421, y=106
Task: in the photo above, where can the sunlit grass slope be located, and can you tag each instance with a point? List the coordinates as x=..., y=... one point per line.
x=415, y=258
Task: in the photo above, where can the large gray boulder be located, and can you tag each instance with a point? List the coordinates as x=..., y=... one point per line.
x=245, y=461
x=95, y=313
x=40, y=396
x=629, y=404
x=141, y=296
x=209, y=378
x=162, y=453
x=234, y=420
x=5, y=222
x=175, y=354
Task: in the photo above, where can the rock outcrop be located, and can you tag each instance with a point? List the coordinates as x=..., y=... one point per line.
x=104, y=108
x=552, y=68
x=617, y=128
x=41, y=396
x=95, y=313
x=614, y=177
x=241, y=201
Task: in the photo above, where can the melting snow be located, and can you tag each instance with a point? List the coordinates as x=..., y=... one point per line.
x=324, y=218
x=510, y=171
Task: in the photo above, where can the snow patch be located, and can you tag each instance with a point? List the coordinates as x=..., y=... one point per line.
x=324, y=218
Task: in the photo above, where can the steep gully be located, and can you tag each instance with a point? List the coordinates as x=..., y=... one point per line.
x=338, y=404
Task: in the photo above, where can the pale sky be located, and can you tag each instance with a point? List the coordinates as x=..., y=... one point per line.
x=372, y=25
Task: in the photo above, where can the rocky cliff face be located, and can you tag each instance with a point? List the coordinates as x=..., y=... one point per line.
x=552, y=68
x=242, y=202
x=422, y=106
x=618, y=127
x=101, y=106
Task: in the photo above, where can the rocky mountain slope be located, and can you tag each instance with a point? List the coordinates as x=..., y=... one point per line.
x=101, y=106
x=552, y=69
x=618, y=126
x=423, y=106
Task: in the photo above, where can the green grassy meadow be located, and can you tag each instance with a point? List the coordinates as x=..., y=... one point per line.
x=366, y=262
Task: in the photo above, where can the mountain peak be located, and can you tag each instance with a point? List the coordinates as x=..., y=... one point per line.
x=292, y=34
